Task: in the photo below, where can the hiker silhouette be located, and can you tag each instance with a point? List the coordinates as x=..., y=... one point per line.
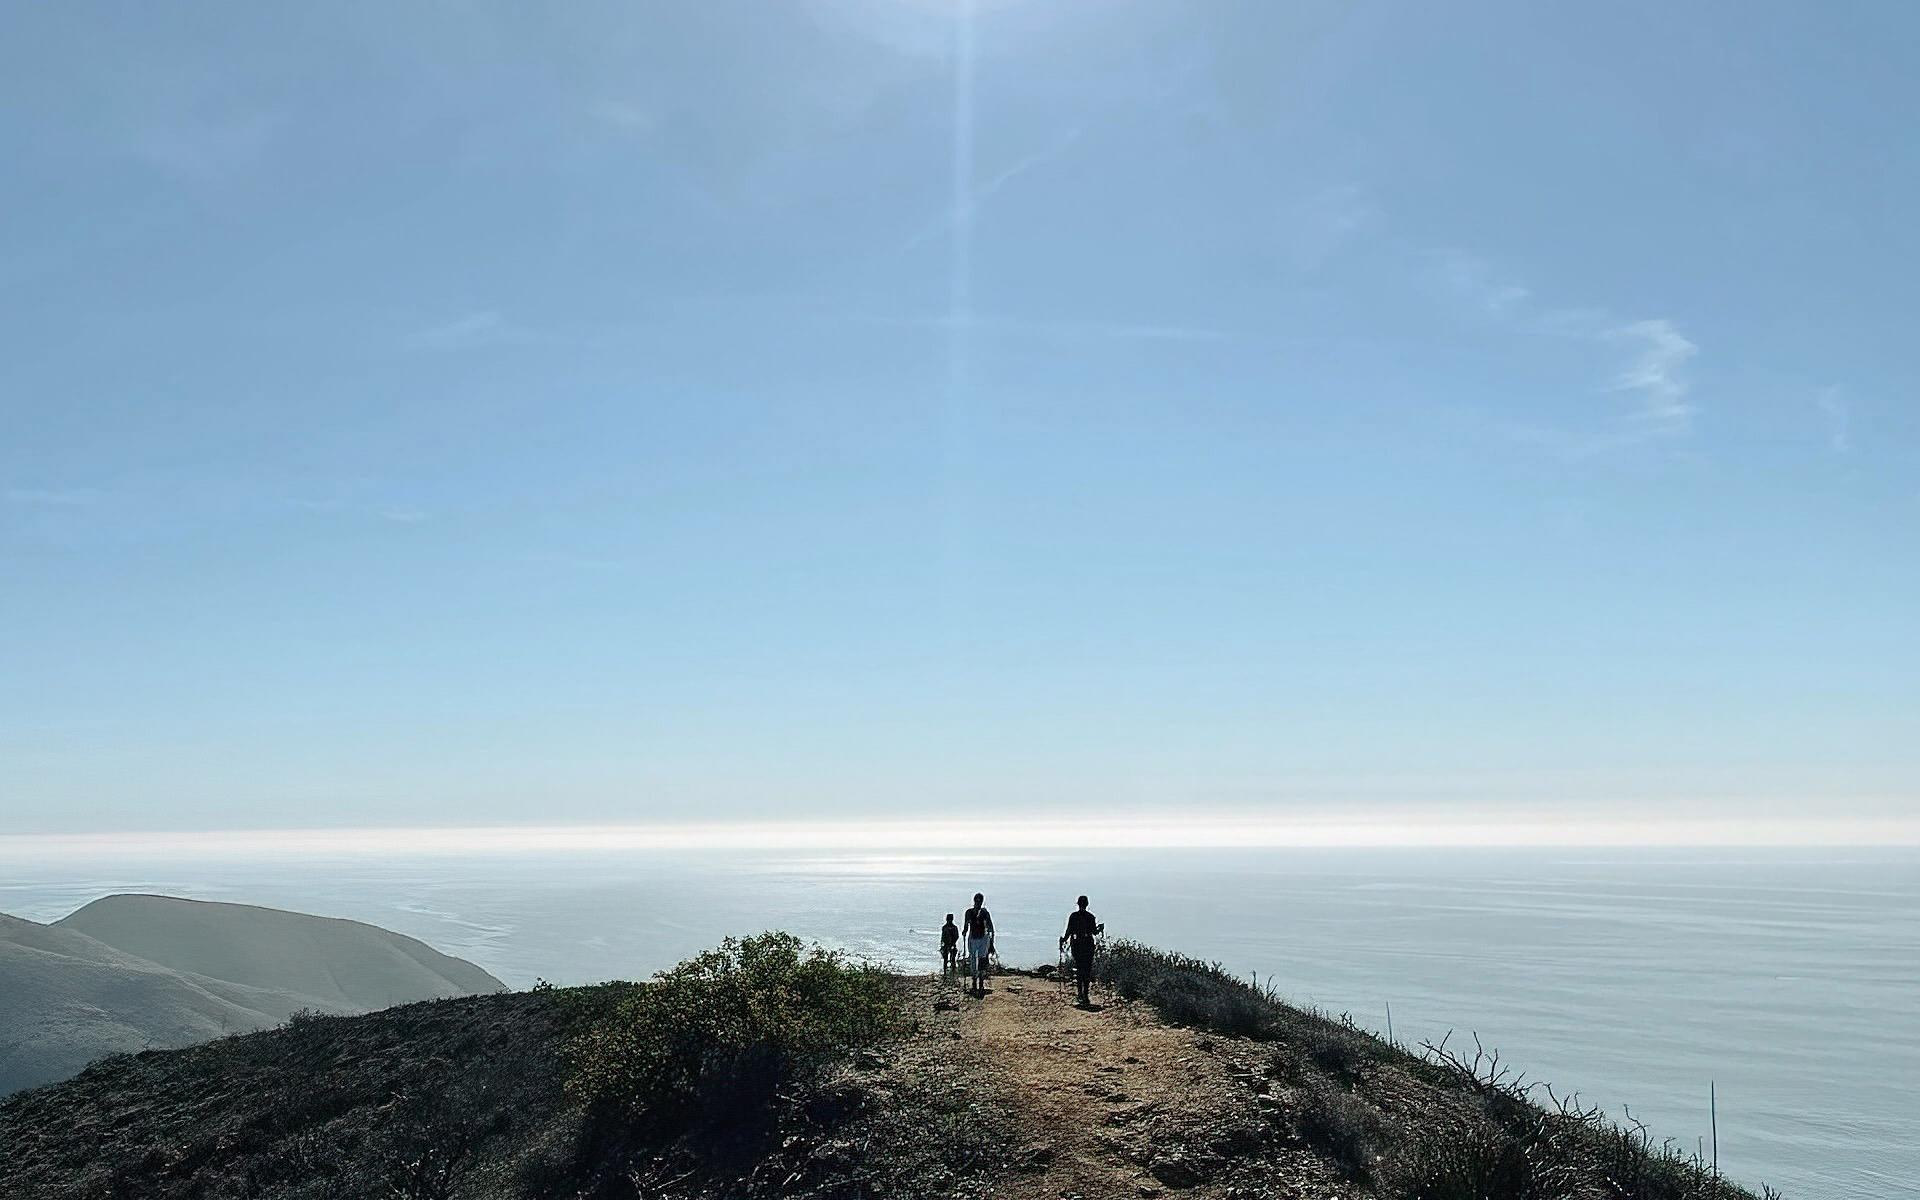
x=979, y=926
x=1081, y=933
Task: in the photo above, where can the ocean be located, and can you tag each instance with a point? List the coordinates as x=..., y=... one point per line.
x=1789, y=982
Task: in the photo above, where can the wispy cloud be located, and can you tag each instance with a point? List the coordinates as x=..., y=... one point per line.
x=361, y=499
x=1110, y=330
x=986, y=189
x=203, y=146
x=1839, y=415
x=1473, y=281
x=1569, y=444
x=625, y=116
x=1654, y=353
x=482, y=328
x=38, y=497
x=1315, y=227
x=576, y=562
x=993, y=183
x=1654, y=373
x=1068, y=329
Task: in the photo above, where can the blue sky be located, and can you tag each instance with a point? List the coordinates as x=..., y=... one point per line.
x=467, y=414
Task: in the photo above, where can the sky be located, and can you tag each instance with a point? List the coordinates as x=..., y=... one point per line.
x=879, y=411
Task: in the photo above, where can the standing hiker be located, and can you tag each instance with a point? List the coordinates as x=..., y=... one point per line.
x=949, y=946
x=979, y=925
x=1081, y=931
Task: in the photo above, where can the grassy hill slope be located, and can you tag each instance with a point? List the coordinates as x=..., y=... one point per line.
x=68, y=999
x=336, y=964
x=129, y=973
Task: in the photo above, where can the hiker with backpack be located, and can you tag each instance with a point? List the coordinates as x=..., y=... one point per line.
x=978, y=923
x=1082, y=930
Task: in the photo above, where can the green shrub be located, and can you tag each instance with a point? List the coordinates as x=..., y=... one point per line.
x=709, y=1042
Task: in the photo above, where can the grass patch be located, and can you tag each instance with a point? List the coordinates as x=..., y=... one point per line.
x=1474, y=1159
x=1190, y=990
x=1431, y=1126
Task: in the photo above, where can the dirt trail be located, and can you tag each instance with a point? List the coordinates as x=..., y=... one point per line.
x=1111, y=1102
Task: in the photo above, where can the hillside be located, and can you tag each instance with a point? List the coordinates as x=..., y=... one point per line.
x=1018, y=1094
x=69, y=999
x=329, y=963
x=130, y=973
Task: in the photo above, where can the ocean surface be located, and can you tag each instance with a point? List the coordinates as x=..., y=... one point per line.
x=1790, y=981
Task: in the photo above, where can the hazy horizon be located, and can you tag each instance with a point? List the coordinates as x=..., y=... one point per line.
x=1326, y=830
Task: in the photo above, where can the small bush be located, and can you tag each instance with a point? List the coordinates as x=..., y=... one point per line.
x=708, y=1043
x=1337, y=1051
x=1474, y=1160
x=1343, y=1127
x=1638, y=1169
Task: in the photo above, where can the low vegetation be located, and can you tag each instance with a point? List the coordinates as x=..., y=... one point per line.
x=1435, y=1125
x=706, y=1046
x=434, y=1100
x=770, y=1068
x=761, y=1068
x=755, y=1069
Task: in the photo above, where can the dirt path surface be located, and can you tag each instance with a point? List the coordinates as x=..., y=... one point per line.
x=1110, y=1102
